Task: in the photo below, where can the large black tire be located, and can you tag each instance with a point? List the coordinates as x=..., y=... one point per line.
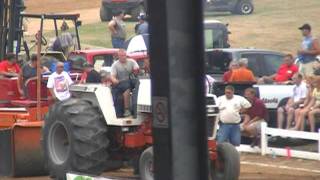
x=244, y=7
x=75, y=139
x=146, y=164
x=105, y=14
x=227, y=166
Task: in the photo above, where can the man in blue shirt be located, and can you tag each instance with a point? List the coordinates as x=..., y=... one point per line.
x=309, y=50
x=142, y=27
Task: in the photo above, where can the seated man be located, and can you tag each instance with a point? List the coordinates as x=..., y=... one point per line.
x=29, y=71
x=9, y=66
x=90, y=75
x=242, y=74
x=254, y=116
x=300, y=92
x=59, y=84
x=121, y=73
x=284, y=74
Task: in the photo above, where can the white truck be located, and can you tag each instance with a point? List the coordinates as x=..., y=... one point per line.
x=261, y=62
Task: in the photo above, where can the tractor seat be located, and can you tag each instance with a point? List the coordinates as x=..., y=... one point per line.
x=28, y=103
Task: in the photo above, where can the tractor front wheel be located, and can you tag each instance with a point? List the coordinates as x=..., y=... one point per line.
x=146, y=164
x=227, y=165
x=75, y=139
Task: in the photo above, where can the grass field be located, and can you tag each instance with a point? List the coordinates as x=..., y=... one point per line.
x=272, y=26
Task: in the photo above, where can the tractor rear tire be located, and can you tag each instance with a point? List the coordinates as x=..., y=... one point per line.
x=227, y=165
x=75, y=139
x=146, y=164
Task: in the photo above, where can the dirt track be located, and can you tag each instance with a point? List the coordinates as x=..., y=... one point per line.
x=253, y=167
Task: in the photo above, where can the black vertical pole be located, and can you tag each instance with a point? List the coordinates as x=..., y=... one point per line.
x=20, y=35
x=55, y=27
x=179, y=123
x=4, y=32
x=77, y=33
x=12, y=27
x=1, y=28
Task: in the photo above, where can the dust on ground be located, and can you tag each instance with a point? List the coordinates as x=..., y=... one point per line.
x=253, y=167
x=54, y=6
x=88, y=10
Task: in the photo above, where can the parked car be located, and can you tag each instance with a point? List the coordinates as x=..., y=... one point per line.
x=243, y=7
x=261, y=62
x=216, y=34
x=132, y=7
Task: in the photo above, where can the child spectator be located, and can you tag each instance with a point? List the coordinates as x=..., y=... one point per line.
x=9, y=66
x=300, y=92
x=315, y=109
x=308, y=105
x=90, y=75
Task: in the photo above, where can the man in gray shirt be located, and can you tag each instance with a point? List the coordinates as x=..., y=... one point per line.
x=121, y=73
x=117, y=28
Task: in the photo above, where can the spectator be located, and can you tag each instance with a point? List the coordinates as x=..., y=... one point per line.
x=146, y=66
x=230, y=107
x=117, y=28
x=59, y=82
x=254, y=116
x=232, y=66
x=29, y=71
x=309, y=104
x=316, y=66
x=208, y=83
x=315, y=109
x=121, y=78
x=9, y=66
x=284, y=74
x=300, y=92
x=90, y=75
x=106, y=78
x=65, y=41
x=242, y=74
x=142, y=27
x=309, y=50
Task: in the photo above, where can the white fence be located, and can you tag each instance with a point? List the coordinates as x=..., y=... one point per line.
x=265, y=131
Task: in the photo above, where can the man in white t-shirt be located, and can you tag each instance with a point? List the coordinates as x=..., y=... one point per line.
x=59, y=82
x=230, y=106
x=300, y=92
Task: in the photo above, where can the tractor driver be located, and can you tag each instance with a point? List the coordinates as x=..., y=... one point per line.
x=123, y=79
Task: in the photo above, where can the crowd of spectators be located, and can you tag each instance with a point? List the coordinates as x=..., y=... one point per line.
x=299, y=112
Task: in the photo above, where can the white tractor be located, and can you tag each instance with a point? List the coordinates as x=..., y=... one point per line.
x=84, y=135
